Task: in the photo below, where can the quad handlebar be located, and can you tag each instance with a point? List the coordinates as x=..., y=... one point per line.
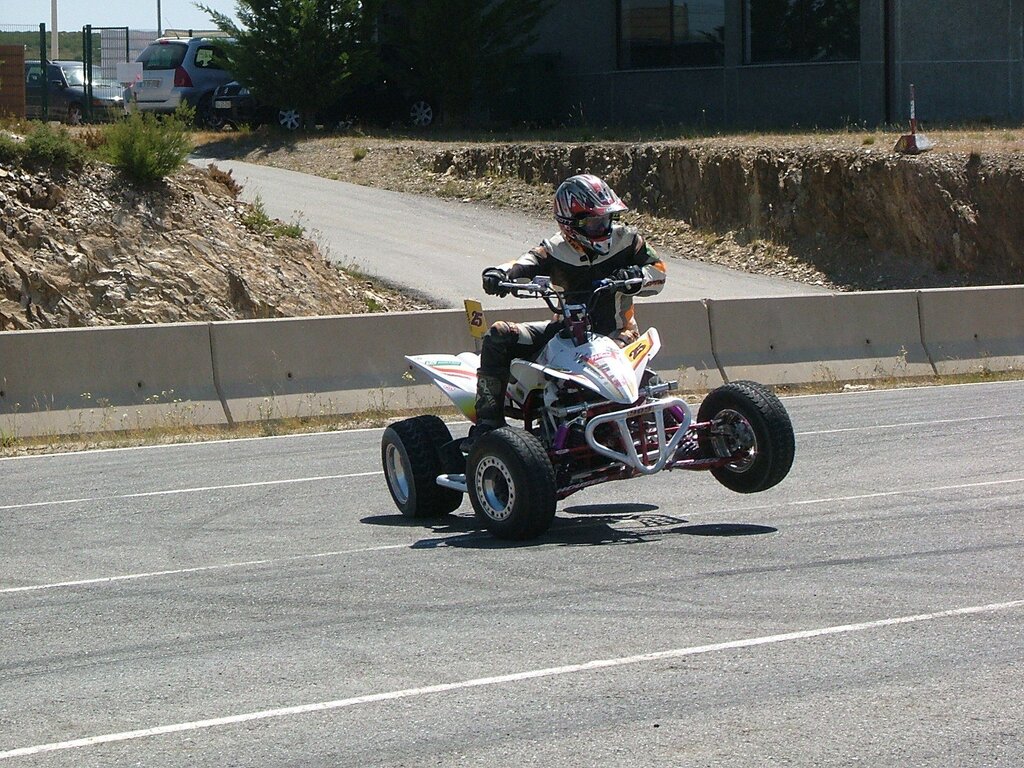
x=555, y=299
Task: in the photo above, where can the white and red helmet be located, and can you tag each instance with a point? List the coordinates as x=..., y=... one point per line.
x=584, y=209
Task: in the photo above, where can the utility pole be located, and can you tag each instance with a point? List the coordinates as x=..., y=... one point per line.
x=54, y=49
x=159, y=23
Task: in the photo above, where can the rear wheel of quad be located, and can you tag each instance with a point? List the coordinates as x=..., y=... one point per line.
x=511, y=484
x=750, y=422
x=411, y=454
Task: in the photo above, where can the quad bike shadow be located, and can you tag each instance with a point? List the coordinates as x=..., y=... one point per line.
x=592, y=412
x=584, y=525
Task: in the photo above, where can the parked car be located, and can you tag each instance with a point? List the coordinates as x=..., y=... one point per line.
x=379, y=103
x=177, y=71
x=65, y=83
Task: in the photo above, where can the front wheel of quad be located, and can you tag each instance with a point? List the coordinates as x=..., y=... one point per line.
x=411, y=454
x=511, y=484
x=749, y=422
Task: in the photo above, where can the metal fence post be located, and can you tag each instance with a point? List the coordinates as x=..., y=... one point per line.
x=45, y=63
x=87, y=55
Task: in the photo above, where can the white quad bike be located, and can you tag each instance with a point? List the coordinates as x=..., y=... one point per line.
x=592, y=411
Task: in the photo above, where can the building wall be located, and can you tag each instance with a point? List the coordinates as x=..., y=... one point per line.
x=966, y=61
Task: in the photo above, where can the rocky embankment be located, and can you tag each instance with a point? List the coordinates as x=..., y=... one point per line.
x=958, y=215
x=89, y=249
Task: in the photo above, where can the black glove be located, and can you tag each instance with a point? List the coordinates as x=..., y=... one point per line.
x=492, y=277
x=630, y=273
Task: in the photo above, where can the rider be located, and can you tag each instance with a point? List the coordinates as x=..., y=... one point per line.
x=590, y=246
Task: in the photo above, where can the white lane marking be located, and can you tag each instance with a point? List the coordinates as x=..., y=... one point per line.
x=876, y=495
x=199, y=569
x=193, y=444
x=515, y=677
x=202, y=489
x=937, y=422
x=909, y=388
x=378, y=472
x=292, y=558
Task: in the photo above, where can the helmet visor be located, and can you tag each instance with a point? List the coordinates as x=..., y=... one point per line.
x=594, y=226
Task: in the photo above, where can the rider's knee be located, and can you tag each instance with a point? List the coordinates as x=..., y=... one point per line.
x=501, y=334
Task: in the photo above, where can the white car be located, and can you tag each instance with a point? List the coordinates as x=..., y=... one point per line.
x=178, y=70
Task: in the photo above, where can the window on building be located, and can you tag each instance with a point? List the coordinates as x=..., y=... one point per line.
x=671, y=33
x=801, y=30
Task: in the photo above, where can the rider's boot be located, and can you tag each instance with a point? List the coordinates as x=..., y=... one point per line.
x=490, y=406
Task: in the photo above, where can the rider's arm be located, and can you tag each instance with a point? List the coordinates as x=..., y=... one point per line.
x=653, y=267
x=527, y=266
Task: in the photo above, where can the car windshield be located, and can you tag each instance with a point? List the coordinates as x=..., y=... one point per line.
x=74, y=75
x=163, y=55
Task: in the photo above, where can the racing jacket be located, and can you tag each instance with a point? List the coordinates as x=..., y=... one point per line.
x=575, y=272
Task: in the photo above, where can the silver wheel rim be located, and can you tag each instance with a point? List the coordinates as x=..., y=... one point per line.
x=398, y=474
x=74, y=116
x=421, y=114
x=494, y=488
x=734, y=435
x=289, y=118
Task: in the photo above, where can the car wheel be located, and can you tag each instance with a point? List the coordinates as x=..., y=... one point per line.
x=421, y=113
x=511, y=484
x=74, y=115
x=750, y=423
x=411, y=456
x=289, y=119
x=206, y=115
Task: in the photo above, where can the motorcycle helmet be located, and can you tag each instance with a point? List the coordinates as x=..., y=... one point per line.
x=584, y=209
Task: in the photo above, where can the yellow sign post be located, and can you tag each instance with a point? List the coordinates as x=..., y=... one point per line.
x=476, y=321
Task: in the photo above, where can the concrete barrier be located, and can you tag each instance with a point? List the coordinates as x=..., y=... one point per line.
x=686, y=354
x=84, y=380
x=832, y=337
x=102, y=379
x=308, y=367
x=314, y=366
x=969, y=330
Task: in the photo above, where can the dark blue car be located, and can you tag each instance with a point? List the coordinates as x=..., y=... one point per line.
x=65, y=84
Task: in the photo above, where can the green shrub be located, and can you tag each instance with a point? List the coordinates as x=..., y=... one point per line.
x=10, y=150
x=258, y=221
x=146, y=148
x=49, y=147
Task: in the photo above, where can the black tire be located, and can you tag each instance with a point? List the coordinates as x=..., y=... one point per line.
x=410, y=453
x=511, y=484
x=206, y=115
x=750, y=416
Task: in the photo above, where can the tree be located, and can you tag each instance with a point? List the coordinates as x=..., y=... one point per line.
x=299, y=54
x=464, y=52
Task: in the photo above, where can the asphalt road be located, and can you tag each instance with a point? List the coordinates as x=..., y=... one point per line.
x=260, y=603
x=438, y=247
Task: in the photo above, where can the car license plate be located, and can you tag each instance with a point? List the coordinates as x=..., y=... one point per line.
x=150, y=84
x=222, y=105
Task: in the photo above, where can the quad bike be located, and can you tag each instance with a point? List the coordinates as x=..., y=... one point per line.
x=592, y=412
